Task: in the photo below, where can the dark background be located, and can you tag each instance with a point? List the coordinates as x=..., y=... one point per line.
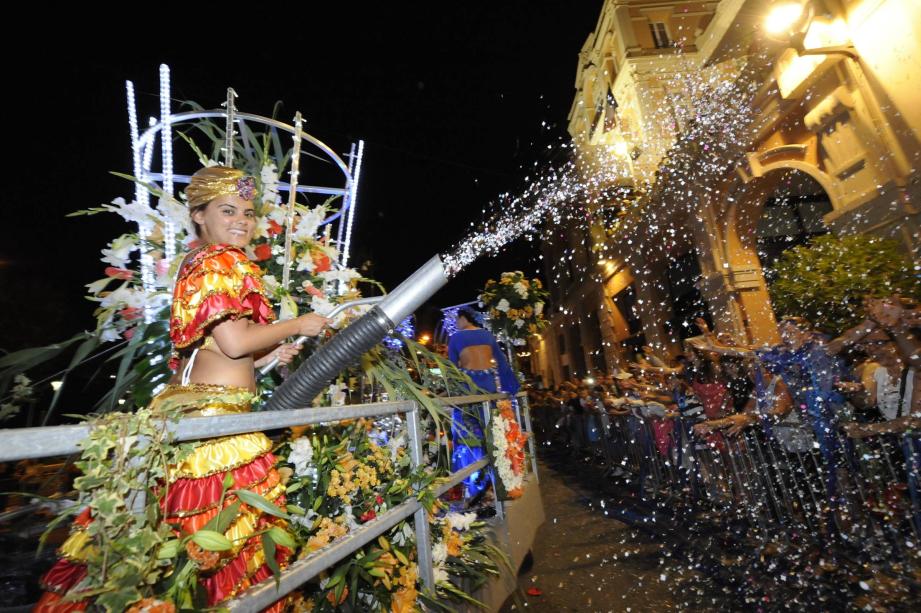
x=450, y=99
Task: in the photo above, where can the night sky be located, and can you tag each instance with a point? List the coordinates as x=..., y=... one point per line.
x=450, y=101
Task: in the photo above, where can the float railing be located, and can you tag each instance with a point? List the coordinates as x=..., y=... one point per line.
x=32, y=443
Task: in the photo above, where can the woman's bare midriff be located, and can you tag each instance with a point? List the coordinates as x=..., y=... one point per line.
x=214, y=368
x=477, y=357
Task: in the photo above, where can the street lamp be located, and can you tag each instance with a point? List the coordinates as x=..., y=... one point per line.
x=794, y=22
x=786, y=19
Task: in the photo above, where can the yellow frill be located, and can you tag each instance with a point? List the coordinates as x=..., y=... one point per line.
x=221, y=455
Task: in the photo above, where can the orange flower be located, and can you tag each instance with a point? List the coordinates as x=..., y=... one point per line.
x=263, y=252
x=331, y=596
x=321, y=262
x=206, y=559
x=130, y=313
x=118, y=273
x=274, y=228
x=403, y=601
x=454, y=543
x=152, y=605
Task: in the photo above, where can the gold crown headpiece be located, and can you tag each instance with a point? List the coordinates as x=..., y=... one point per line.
x=214, y=181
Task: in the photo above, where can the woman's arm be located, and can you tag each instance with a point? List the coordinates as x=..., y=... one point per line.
x=238, y=338
x=850, y=336
x=284, y=353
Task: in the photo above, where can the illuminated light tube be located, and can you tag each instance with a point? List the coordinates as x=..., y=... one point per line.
x=353, y=200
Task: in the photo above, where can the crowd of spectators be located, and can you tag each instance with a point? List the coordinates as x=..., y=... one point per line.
x=804, y=391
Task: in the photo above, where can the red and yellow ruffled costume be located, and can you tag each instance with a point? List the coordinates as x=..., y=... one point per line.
x=216, y=283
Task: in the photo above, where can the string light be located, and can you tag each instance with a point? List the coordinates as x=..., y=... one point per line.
x=141, y=196
x=353, y=200
x=166, y=148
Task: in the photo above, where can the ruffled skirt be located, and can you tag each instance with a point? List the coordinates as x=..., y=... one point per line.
x=190, y=499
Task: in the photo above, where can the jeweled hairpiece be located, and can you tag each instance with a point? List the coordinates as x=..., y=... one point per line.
x=214, y=181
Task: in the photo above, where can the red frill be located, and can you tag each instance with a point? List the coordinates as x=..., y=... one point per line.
x=63, y=575
x=229, y=579
x=187, y=495
x=54, y=603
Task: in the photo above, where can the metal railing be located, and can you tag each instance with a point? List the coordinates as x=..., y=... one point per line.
x=40, y=442
x=862, y=493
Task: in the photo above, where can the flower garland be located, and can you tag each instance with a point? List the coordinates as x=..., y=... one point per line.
x=516, y=306
x=506, y=442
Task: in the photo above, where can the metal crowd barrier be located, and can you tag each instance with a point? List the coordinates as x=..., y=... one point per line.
x=31, y=443
x=865, y=493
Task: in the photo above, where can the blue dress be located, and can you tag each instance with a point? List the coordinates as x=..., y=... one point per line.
x=466, y=427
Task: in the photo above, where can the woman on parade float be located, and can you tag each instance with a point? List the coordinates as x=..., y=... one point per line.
x=478, y=355
x=218, y=324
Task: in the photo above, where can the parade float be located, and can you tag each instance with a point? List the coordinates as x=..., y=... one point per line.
x=358, y=425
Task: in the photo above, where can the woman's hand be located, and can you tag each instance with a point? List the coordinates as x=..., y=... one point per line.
x=283, y=353
x=702, y=429
x=739, y=421
x=849, y=387
x=311, y=324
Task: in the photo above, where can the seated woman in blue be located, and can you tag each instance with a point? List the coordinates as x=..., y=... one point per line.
x=476, y=352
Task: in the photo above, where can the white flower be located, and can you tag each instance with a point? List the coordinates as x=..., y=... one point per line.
x=119, y=251
x=141, y=214
x=124, y=295
x=271, y=283
x=344, y=275
x=439, y=553
x=262, y=227
x=519, y=323
x=97, y=286
x=305, y=520
x=278, y=214
x=337, y=395
x=538, y=308
x=321, y=306
x=109, y=334
x=176, y=213
x=301, y=456
x=441, y=575
x=269, y=177
x=460, y=521
x=349, y=518
x=521, y=289
x=395, y=444
x=503, y=305
x=305, y=262
x=308, y=223
x=288, y=309
x=404, y=535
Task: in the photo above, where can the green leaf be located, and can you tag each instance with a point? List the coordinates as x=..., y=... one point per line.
x=293, y=509
x=268, y=547
x=210, y=540
x=228, y=481
x=258, y=502
x=282, y=537
x=222, y=521
x=169, y=549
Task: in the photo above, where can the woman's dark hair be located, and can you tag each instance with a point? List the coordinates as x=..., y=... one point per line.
x=470, y=315
x=192, y=211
